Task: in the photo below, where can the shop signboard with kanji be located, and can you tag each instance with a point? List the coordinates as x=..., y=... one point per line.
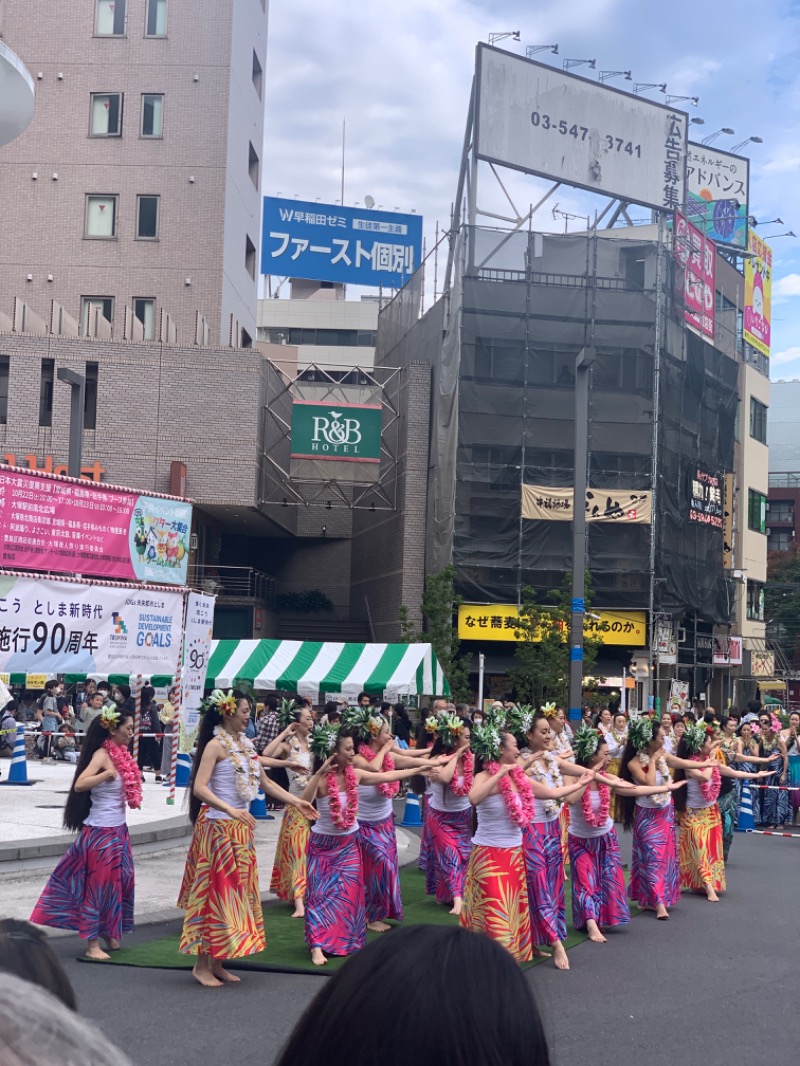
x=758, y=295
x=696, y=276
x=61, y=525
x=706, y=505
x=66, y=627
x=499, y=621
x=350, y=245
x=718, y=192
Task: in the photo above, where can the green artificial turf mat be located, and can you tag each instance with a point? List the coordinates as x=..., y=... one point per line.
x=286, y=947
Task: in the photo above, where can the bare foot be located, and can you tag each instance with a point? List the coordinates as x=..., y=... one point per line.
x=225, y=975
x=560, y=956
x=593, y=932
x=538, y=954
x=662, y=913
x=458, y=903
x=111, y=944
x=299, y=908
x=711, y=895
x=317, y=957
x=97, y=954
x=206, y=978
x=378, y=927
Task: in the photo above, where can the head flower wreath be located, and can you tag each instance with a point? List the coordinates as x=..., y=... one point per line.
x=286, y=712
x=109, y=718
x=450, y=729
x=585, y=743
x=520, y=719
x=322, y=741
x=640, y=732
x=696, y=735
x=432, y=725
x=549, y=710
x=485, y=742
x=224, y=702
x=374, y=724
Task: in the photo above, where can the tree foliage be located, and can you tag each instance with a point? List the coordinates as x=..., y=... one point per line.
x=782, y=602
x=440, y=610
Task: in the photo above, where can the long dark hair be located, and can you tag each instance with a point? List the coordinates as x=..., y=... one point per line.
x=345, y=731
x=683, y=752
x=492, y=1020
x=629, y=802
x=78, y=805
x=209, y=721
x=25, y=951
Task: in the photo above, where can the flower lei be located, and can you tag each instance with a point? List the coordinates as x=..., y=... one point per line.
x=519, y=804
x=389, y=789
x=343, y=819
x=469, y=776
x=125, y=765
x=710, y=789
x=245, y=763
x=599, y=817
x=661, y=799
x=550, y=776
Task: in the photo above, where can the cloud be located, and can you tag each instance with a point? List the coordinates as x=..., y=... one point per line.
x=786, y=286
x=788, y=355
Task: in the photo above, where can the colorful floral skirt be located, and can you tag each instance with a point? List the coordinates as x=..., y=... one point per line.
x=564, y=819
x=616, y=812
x=544, y=871
x=220, y=892
x=598, y=881
x=700, y=849
x=450, y=847
x=727, y=811
x=794, y=781
x=424, y=837
x=289, y=869
x=91, y=888
x=495, y=899
x=336, y=918
x=378, y=843
x=654, y=858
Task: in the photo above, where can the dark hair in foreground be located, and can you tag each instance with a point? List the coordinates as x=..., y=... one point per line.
x=628, y=803
x=24, y=951
x=464, y=1000
x=78, y=805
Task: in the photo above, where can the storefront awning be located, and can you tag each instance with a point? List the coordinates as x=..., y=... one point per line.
x=314, y=668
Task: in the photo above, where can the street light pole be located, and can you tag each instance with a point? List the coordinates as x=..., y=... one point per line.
x=583, y=365
x=77, y=384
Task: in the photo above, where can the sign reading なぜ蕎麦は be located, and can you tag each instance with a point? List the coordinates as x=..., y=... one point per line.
x=344, y=432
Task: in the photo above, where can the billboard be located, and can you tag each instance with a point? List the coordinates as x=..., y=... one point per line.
x=545, y=503
x=336, y=432
x=543, y=121
x=758, y=294
x=351, y=245
x=65, y=627
x=695, y=281
x=718, y=193
x=77, y=527
x=497, y=621
x=706, y=504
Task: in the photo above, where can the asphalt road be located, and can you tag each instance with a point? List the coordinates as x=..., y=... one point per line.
x=711, y=986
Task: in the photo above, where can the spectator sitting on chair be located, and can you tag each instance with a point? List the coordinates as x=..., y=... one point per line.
x=66, y=743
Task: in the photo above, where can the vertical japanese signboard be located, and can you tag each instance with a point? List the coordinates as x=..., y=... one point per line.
x=758, y=294
x=196, y=651
x=696, y=276
x=717, y=188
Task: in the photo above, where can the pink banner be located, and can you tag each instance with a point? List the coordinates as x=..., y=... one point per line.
x=60, y=525
x=696, y=254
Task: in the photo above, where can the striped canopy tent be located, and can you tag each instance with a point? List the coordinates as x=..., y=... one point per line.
x=313, y=668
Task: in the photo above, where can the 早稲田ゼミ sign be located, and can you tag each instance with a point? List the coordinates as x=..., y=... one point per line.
x=344, y=432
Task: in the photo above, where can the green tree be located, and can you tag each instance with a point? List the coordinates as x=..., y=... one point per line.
x=440, y=610
x=782, y=602
x=541, y=673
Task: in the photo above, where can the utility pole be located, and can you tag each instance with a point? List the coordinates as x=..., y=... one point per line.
x=77, y=384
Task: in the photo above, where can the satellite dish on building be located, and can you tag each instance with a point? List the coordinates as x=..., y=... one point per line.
x=370, y=202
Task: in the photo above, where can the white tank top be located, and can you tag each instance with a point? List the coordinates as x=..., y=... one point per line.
x=223, y=785
x=373, y=806
x=694, y=797
x=324, y=824
x=579, y=827
x=651, y=802
x=496, y=829
x=108, y=805
x=298, y=782
x=444, y=799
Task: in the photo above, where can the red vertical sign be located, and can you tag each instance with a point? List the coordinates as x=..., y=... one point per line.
x=696, y=255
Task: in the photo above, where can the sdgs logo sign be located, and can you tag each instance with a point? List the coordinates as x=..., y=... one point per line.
x=341, y=432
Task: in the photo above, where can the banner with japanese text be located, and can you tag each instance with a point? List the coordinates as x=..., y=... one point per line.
x=758, y=294
x=57, y=524
x=543, y=503
x=63, y=627
x=695, y=280
x=498, y=621
x=718, y=193
x=197, y=632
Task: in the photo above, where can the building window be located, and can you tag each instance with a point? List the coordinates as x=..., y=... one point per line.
x=147, y=217
x=781, y=512
x=247, y=340
x=250, y=257
x=144, y=308
x=46, y=392
x=101, y=216
x=755, y=601
x=758, y=420
x=4, y=370
x=156, y=19
x=779, y=540
x=105, y=115
x=152, y=114
x=258, y=75
x=90, y=397
x=103, y=305
x=756, y=511
x=109, y=20
x=253, y=166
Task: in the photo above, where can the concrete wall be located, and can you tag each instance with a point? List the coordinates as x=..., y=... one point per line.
x=751, y=549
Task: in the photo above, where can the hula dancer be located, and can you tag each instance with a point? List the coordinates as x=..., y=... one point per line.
x=91, y=888
x=220, y=891
x=336, y=919
x=450, y=814
x=598, y=880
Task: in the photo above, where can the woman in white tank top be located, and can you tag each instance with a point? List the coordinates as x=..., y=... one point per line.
x=225, y=779
x=449, y=815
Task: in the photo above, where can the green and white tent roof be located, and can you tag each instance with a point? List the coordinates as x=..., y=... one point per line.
x=313, y=668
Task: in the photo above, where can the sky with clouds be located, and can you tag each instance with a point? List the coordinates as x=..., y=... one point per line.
x=399, y=73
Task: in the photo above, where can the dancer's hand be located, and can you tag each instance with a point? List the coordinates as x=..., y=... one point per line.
x=307, y=810
x=240, y=814
x=673, y=786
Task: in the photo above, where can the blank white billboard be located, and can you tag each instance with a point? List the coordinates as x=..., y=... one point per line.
x=560, y=126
